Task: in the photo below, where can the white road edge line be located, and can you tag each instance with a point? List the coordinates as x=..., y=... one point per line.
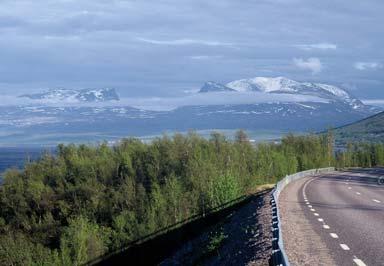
x=333, y=235
x=344, y=247
x=359, y=262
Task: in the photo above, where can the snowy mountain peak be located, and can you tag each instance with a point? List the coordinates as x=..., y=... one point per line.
x=264, y=84
x=212, y=86
x=67, y=95
x=282, y=85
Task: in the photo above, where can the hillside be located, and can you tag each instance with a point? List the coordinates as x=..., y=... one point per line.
x=370, y=129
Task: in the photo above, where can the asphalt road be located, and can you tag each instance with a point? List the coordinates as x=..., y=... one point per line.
x=345, y=211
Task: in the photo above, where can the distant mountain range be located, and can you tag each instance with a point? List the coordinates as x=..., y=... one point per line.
x=281, y=85
x=83, y=95
x=370, y=129
x=314, y=107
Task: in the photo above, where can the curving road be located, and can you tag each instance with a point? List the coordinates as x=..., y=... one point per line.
x=334, y=219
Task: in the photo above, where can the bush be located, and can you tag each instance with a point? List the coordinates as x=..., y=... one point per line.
x=89, y=200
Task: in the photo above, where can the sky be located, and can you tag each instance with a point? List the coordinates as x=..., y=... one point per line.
x=169, y=48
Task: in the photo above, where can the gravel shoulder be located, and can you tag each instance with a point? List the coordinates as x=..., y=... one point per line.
x=302, y=244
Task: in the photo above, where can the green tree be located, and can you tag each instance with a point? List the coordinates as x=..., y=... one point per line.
x=82, y=241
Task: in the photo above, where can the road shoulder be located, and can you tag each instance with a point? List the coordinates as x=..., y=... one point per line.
x=302, y=244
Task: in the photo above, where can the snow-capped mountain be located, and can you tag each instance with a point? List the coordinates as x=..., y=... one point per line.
x=211, y=86
x=67, y=95
x=319, y=107
x=281, y=85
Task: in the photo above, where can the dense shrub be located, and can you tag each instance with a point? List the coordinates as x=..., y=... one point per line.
x=85, y=201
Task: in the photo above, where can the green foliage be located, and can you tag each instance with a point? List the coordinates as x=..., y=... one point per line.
x=225, y=189
x=215, y=241
x=82, y=241
x=361, y=155
x=86, y=201
x=17, y=249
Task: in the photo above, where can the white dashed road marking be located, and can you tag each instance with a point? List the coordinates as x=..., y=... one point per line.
x=359, y=262
x=333, y=235
x=356, y=260
x=377, y=201
x=344, y=247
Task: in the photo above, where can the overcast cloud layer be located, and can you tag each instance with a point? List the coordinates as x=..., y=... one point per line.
x=166, y=47
x=170, y=103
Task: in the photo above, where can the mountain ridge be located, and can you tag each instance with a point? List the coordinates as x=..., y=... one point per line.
x=73, y=95
x=42, y=122
x=282, y=85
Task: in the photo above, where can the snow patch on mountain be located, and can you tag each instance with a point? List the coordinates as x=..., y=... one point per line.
x=264, y=84
x=73, y=96
x=211, y=86
x=282, y=85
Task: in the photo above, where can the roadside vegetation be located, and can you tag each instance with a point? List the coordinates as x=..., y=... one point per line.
x=361, y=155
x=215, y=241
x=86, y=201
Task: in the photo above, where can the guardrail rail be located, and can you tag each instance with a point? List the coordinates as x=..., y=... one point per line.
x=279, y=256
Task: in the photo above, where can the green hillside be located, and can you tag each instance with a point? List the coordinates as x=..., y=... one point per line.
x=370, y=129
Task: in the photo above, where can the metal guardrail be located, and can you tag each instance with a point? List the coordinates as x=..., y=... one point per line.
x=279, y=256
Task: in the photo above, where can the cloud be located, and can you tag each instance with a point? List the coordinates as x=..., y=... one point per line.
x=178, y=42
x=367, y=65
x=94, y=43
x=313, y=64
x=317, y=46
x=204, y=57
x=377, y=102
x=215, y=98
x=170, y=103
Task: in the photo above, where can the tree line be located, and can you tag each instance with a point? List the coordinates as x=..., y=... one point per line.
x=84, y=201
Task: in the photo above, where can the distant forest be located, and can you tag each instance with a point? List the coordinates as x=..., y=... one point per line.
x=86, y=201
